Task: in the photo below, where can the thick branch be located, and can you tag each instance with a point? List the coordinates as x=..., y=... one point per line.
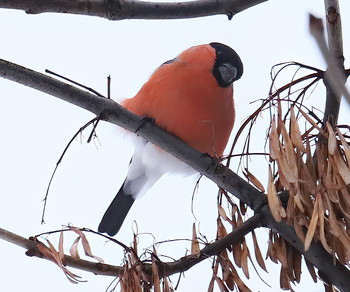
x=129, y=9
x=224, y=177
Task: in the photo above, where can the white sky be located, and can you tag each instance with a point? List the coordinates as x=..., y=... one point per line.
x=36, y=127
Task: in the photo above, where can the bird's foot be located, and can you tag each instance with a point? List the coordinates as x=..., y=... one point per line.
x=144, y=121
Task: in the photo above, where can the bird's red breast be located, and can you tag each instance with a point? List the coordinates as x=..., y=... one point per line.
x=183, y=97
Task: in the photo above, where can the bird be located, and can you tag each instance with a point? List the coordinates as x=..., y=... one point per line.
x=191, y=97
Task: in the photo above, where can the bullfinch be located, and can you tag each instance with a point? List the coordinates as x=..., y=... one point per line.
x=190, y=96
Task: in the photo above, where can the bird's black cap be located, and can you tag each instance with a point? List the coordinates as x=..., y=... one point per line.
x=228, y=66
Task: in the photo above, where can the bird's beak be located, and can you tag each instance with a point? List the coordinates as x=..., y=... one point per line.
x=228, y=72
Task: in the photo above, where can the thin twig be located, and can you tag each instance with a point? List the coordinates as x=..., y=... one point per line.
x=60, y=160
x=74, y=82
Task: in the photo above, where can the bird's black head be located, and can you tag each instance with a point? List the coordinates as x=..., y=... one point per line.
x=228, y=66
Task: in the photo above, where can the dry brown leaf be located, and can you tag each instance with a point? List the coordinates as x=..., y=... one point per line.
x=230, y=282
x=155, y=275
x=328, y=178
x=308, y=181
x=73, y=278
x=299, y=229
x=221, y=284
x=291, y=210
x=211, y=284
x=343, y=169
x=279, y=114
x=239, y=219
x=289, y=151
x=86, y=245
x=166, y=286
x=321, y=158
x=321, y=226
x=222, y=213
x=286, y=170
x=74, y=249
x=290, y=266
x=311, y=270
x=281, y=251
x=298, y=203
x=295, y=132
x=307, y=199
x=60, y=249
x=284, y=182
x=340, y=250
x=134, y=243
x=333, y=222
x=296, y=257
x=258, y=256
x=252, y=178
x=56, y=258
x=332, y=140
x=345, y=145
x=224, y=260
x=313, y=224
x=310, y=161
x=237, y=253
x=344, y=200
x=133, y=276
x=221, y=229
x=271, y=250
x=233, y=214
x=284, y=280
x=274, y=202
x=55, y=254
x=244, y=260
x=239, y=283
x=195, y=249
x=274, y=143
x=309, y=119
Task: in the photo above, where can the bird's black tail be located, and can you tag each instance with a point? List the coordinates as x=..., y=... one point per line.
x=114, y=217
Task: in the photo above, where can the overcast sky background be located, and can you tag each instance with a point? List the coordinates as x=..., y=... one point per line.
x=36, y=127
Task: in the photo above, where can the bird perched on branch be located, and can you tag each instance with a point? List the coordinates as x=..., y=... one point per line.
x=191, y=97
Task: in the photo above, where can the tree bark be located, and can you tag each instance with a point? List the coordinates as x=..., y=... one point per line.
x=129, y=9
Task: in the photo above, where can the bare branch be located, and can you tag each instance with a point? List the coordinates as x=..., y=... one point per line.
x=128, y=9
x=335, y=77
x=32, y=250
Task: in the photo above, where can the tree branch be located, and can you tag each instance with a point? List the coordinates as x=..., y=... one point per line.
x=32, y=250
x=165, y=268
x=335, y=46
x=129, y=9
x=335, y=76
x=214, y=248
x=221, y=175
